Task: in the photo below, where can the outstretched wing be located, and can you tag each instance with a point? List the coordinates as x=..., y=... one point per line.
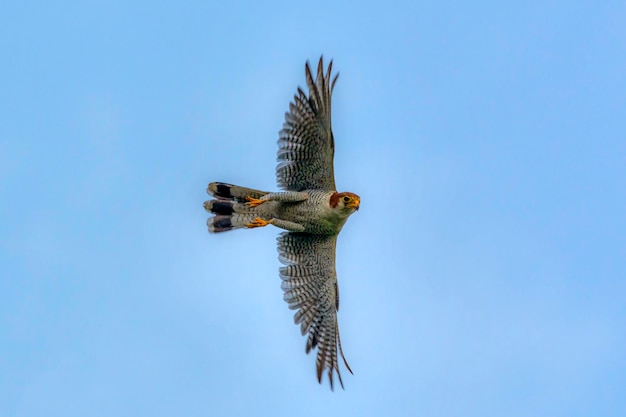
x=310, y=286
x=306, y=146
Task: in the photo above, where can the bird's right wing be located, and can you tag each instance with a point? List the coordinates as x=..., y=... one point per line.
x=310, y=286
x=306, y=145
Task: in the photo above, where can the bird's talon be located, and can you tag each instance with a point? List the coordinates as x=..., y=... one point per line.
x=253, y=202
x=258, y=222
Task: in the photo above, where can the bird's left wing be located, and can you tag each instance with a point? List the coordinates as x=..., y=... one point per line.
x=306, y=146
x=310, y=286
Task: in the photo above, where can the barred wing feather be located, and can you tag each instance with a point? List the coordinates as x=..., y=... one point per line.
x=310, y=286
x=306, y=145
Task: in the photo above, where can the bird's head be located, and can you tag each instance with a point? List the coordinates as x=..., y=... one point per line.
x=348, y=202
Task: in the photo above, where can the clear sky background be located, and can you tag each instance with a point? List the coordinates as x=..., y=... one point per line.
x=483, y=276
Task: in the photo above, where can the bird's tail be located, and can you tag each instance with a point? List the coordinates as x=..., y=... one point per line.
x=229, y=206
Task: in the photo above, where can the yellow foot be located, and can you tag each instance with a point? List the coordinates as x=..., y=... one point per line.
x=253, y=202
x=258, y=222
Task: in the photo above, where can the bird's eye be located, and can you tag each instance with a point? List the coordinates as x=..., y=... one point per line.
x=346, y=199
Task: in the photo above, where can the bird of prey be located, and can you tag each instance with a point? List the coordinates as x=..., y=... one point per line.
x=310, y=210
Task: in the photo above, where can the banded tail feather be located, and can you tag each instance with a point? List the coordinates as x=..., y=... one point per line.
x=223, y=190
x=229, y=208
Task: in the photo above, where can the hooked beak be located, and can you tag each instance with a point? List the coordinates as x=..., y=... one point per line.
x=355, y=204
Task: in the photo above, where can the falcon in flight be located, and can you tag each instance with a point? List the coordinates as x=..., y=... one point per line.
x=310, y=210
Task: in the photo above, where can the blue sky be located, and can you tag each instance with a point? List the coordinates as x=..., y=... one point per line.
x=483, y=275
